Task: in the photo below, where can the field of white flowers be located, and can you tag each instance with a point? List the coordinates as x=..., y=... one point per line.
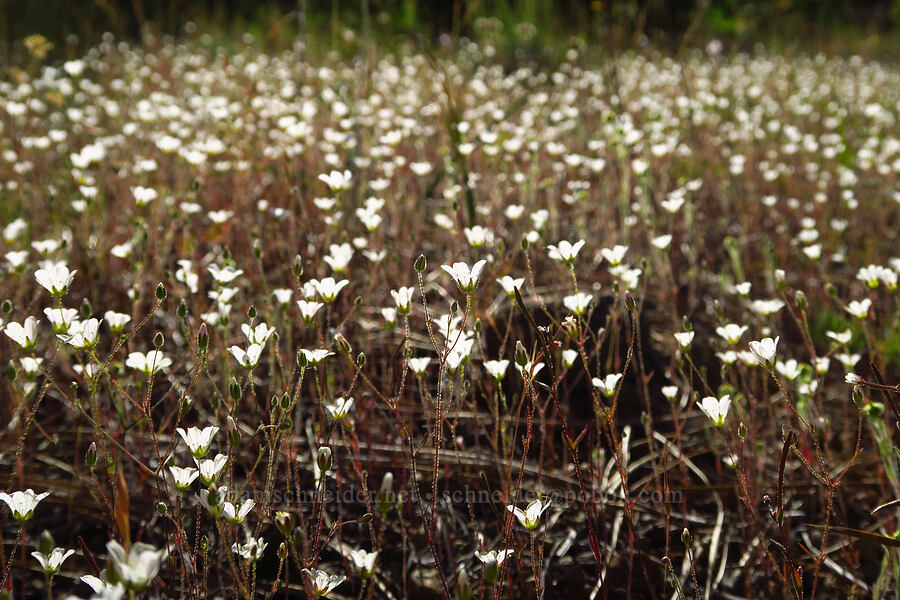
x=418, y=324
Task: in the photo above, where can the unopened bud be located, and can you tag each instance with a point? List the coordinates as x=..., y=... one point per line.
x=361, y=359
x=160, y=292
x=90, y=457
x=521, y=354
x=158, y=340
x=251, y=312
x=343, y=345
x=234, y=388
x=686, y=538
x=203, y=339
x=800, y=299
x=324, y=459
x=297, y=266
x=421, y=263
x=182, y=310
x=282, y=551
x=86, y=309
x=161, y=508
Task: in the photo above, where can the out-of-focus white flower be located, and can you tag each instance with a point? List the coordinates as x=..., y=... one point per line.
x=314, y=357
x=615, y=255
x=731, y=332
x=578, y=303
x=510, y=284
x=136, y=568
x=419, y=365
x=496, y=368
x=859, y=308
x=337, y=180
x=116, y=320
x=684, y=339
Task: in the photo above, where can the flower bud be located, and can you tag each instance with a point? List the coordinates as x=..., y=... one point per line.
x=282, y=551
x=297, y=266
x=161, y=508
x=361, y=359
x=629, y=301
x=780, y=281
x=343, y=345
x=11, y=371
x=800, y=299
x=234, y=388
x=521, y=354
x=384, y=499
x=46, y=543
x=324, y=459
x=182, y=310
x=90, y=457
x=160, y=292
x=251, y=312
x=158, y=340
x=421, y=263
x=284, y=521
x=203, y=339
x=686, y=538
x=86, y=309
x=6, y=307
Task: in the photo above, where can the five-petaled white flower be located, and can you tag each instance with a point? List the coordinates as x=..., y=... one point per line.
x=466, y=279
x=211, y=468
x=85, y=336
x=529, y=518
x=116, y=320
x=716, y=408
x=608, y=384
x=53, y=561
x=308, y=310
x=338, y=408
x=237, y=514
x=248, y=358
x=183, y=477
x=403, y=299
x=22, y=504
x=251, y=551
x=565, y=251
x=492, y=561
x=56, y=278
x=198, y=440
x=329, y=289
x=137, y=567
x=314, y=357
x=764, y=351
x=259, y=334
x=322, y=581
x=148, y=363
x=363, y=562
x=24, y=334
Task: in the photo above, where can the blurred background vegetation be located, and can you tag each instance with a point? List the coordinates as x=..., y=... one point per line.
x=868, y=27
